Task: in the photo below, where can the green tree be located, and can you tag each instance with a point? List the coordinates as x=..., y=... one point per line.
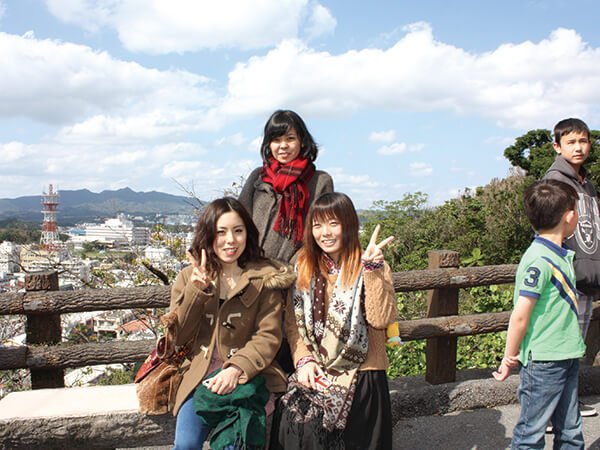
x=533, y=152
x=401, y=219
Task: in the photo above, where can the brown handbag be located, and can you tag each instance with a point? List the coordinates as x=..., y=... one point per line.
x=159, y=377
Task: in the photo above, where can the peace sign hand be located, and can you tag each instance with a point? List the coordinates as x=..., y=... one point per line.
x=373, y=253
x=199, y=274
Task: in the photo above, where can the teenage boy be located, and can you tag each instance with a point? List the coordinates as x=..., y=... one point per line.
x=543, y=336
x=573, y=144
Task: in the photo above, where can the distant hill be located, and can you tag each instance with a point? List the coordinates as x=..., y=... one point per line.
x=84, y=205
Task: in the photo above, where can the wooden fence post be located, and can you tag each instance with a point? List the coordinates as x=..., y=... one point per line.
x=441, y=352
x=44, y=329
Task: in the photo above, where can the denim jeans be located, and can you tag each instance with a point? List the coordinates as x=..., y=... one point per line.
x=190, y=430
x=548, y=393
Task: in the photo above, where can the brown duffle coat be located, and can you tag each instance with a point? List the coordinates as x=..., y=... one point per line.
x=246, y=329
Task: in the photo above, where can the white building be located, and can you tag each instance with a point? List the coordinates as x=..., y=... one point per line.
x=117, y=231
x=71, y=270
x=157, y=255
x=9, y=257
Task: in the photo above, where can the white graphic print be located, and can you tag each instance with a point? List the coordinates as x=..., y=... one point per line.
x=588, y=229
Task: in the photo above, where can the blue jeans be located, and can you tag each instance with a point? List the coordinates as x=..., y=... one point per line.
x=190, y=429
x=548, y=393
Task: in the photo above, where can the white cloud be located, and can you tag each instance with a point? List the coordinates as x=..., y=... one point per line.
x=105, y=166
x=57, y=83
x=163, y=26
x=235, y=140
x=321, y=22
x=13, y=151
x=397, y=148
x=420, y=169
x=516, y=85
x=340, y=177
x=383, y=136
x=254, y=146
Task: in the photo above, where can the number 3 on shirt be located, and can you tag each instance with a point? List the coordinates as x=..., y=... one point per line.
x=532, y=279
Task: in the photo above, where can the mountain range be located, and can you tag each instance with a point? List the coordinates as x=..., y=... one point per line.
x=83, y=205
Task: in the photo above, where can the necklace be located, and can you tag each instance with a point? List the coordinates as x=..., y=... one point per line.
x=229, y=280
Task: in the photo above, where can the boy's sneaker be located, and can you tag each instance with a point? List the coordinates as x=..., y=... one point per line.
x=587, y=411
x=549, y=429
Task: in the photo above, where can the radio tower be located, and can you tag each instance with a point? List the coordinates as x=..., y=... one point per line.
x=50, y=239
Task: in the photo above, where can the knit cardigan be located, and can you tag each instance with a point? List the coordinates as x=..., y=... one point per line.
x=380, y=312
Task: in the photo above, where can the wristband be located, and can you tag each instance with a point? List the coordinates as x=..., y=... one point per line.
x=303, y=361
x=369, y=266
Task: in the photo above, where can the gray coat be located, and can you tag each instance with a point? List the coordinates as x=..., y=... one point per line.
x=263, y=202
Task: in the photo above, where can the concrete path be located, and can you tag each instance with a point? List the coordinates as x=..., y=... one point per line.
x=480, y=429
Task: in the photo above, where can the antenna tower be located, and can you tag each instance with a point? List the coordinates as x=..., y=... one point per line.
x=49, y=239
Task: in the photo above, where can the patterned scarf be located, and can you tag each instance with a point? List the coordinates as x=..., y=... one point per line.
x=339, y=344
x=290, y=180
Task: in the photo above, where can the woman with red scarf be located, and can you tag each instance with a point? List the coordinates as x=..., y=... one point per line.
x=278, y=194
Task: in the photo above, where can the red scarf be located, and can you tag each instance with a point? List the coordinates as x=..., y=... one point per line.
x=290, y=180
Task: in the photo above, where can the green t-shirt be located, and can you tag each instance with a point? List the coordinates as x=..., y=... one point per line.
x=546, y=274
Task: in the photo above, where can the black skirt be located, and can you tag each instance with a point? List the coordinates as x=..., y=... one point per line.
x=369, y=424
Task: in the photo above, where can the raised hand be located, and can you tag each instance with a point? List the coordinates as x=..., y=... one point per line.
x=373, y=252
x=200, y=276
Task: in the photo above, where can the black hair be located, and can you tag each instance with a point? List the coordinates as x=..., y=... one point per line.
x=546, y=201
x=567, y=126
x=206, y=233
x=280, y=122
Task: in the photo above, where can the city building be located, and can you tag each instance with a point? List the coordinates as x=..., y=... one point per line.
x=9, y=257
x=70, y=270
x=113, y=232
x=157, y=255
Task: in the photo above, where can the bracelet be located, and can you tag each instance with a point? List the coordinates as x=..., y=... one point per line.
x=369, y=266
x=303, y=361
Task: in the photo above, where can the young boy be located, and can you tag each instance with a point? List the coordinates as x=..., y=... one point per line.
x=573, y=144
x=543, y=333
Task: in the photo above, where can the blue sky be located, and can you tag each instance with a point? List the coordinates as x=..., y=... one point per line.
x=401, y=96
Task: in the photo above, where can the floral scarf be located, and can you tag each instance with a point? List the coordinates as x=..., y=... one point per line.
x=338, y=341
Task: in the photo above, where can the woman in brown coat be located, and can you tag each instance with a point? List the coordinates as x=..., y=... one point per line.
x=228, y=305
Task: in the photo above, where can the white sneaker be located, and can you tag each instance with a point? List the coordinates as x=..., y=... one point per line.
x=549, y=429
x=587, y=411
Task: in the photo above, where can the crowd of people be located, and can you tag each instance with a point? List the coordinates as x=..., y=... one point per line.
x=286, y=315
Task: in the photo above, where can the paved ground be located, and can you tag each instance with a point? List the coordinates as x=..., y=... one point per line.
x=487, y=429
x=481, y=429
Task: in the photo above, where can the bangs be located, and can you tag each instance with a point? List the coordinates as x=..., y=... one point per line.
x=279, y=129
x=323, y=214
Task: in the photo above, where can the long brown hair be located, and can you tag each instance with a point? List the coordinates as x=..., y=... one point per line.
x=206, y=232
x=333, y=205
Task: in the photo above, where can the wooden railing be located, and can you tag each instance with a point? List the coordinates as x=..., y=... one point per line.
x=47, y=358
